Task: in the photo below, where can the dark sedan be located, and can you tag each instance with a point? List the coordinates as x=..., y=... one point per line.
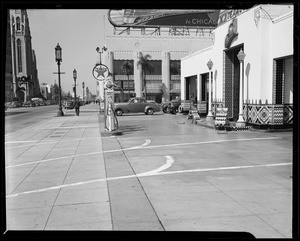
x=171, y=106
x=135, y=105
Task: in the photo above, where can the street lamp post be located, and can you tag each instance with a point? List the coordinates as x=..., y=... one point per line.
x=83, y=91
x=101, y=52
x=240, y=122
x=58, y=59
x=75, y=77
x=209, y=116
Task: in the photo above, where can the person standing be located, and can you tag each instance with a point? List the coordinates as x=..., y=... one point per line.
x=77, y=106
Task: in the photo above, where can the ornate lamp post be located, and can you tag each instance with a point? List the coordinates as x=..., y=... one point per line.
x=209, y=116
x=75, y=77
x=58, y=59
x=83, y=91
x=240, y=122
x=101, y=52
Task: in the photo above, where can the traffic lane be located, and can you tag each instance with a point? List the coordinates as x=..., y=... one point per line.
x=178, y=128
x=202, y=146
x=20, y=118
x=264, y=192
x=210, y=155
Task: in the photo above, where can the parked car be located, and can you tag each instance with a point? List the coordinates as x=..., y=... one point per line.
x=69, y=104
x=171, y=106
x=28, y=104
x=15, y=104
x=135, y=105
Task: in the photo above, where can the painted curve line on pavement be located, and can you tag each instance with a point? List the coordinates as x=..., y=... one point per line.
x=144, y=147
x=155, y=172
x=147, y=142
x=170, y=161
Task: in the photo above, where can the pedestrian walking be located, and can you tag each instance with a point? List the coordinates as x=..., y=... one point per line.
x=77, y=108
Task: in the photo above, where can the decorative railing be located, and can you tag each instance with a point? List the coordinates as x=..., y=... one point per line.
x=153, y=77
x=175, y=77
x=268, y=114
x=124, y=77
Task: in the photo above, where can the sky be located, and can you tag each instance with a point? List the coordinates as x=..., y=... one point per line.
x=79, y=33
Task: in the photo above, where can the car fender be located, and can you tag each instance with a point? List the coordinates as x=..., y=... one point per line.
x=150, y=106
x=123, y=108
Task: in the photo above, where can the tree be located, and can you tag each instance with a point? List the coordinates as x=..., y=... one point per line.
x=55, y=93
x=27, y=82
x=144, y=62
x=127, y=69
x=175, y=68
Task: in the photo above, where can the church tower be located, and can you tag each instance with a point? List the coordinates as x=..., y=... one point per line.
x=23, y=68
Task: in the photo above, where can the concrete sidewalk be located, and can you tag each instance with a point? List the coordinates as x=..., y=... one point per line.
x=55, y=175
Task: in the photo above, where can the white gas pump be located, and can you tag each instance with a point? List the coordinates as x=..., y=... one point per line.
x=111, y=122
x=101, y=73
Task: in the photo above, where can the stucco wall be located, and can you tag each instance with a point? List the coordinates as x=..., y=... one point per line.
x=263, y=41
x=124, y=46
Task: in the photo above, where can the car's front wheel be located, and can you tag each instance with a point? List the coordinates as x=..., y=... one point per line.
x=150, y=111
x=119, y=112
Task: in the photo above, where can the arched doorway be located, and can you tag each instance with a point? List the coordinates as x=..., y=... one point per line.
x=232, y=82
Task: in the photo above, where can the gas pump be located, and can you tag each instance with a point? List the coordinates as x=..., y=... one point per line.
x=101, y=73
x=111, y=121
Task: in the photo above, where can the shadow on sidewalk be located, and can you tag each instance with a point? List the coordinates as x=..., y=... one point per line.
x=123, y=130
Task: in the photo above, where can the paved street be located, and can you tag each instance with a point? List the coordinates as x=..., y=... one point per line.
x=156, y=173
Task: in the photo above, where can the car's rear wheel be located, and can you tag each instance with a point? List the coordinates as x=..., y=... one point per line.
x=150, y=111
x=119, y=112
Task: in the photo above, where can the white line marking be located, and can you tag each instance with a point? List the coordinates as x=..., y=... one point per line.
x=92, y=153
x=147, y=142
x=224, y=168
x=144, y=147
x=147, y=174
x=170, y=162
x=44, y=142
x=66, y=127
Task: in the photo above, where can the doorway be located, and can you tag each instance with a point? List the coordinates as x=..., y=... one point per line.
x=232, y=82
x=203, y=102
x=191, y=88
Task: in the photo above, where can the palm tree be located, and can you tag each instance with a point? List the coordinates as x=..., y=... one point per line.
x=127, y=68
x=144, y=61
x=27, y=81
x=175, y=68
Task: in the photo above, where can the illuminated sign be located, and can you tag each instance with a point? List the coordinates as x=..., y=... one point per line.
x=163, y=18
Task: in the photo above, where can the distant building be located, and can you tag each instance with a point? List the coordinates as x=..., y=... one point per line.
x=23, y=57
x=166, y=44
x=46, y=91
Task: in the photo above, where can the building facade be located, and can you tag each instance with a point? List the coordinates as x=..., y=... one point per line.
x=24, y=70
x=8, y=66
x=258, y=89
x=165, y=46
x=46, y=91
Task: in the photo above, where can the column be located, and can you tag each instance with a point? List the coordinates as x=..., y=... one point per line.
x=165, y=70
x=209, y=116
x=198, y=91
x=110, y=62
x=240, y=122
x=182, y=87
x=214, y=87
x=137, y=74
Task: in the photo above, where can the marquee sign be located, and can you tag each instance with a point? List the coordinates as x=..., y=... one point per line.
x=163, y=18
